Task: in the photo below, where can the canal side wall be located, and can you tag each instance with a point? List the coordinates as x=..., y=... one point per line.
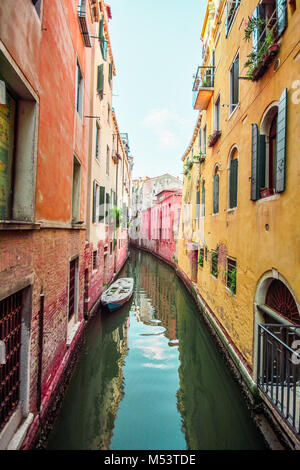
x=276, y=434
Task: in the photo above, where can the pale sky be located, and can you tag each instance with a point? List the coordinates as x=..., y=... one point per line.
x=156, y=48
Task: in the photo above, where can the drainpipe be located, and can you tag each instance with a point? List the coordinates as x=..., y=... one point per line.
x=40, y=354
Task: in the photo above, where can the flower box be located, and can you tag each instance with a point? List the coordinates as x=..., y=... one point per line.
x=212, y=139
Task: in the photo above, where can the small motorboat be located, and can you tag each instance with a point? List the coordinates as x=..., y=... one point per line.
x=118, y=293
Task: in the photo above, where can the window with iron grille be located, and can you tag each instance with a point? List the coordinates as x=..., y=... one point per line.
x=10, y=339
x=95, y=259
x=231, y=275
x=214, y=263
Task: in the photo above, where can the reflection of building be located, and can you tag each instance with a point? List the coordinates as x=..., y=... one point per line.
x=240, y=219
x=159, y=288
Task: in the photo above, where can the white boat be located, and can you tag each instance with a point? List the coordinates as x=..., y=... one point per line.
x=118, y=293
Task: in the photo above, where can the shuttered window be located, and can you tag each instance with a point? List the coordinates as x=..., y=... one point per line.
x=203, y=200
x=7, y=119
x=197, y=204
x=107, y=206
x=110, y=71
x=234, y=83
x=101, y=204
x=94, y=201
x=216, y=194
x=233, y=183
x=259, y=34
x=100, y=79
x=281, y=143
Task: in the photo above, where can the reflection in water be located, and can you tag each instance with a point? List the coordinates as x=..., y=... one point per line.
x=150, y=377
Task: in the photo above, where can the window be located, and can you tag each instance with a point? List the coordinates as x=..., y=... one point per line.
x=37, y=5
x=231, y=275
x=76, y=191
x=95, y=259
x=268, y=161
x=110, y=75
x=97, y=152
x=201, y=257
x=230, y=13
x=204, y=140
x=107, y=160
x=18, y=116
x=216, y=182
x=203, y=199
x=100, y=80
x=234, y=83
x=73, y=289
x=98, y=203
x=217, y=125
x=233, y=178
x=197, y=204
x=200, y=135
x=79, y=91
x=214, y=263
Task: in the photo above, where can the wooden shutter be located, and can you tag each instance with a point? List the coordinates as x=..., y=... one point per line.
x=233, y=181
x=254, y=164
x=216, y=194
x=106, y=207
x=281, y=15
x=110, y=71
x=101, y=30
x=281, y=143
x=203, y=201
x=94, y=201
x=226, y=20
x=101, y=204
x=100, y=78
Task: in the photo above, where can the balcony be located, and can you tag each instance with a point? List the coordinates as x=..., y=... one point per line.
x=83, y=24
x=279, y=370
x=203, y=87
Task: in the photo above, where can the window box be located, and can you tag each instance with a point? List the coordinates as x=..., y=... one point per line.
x=212, y=139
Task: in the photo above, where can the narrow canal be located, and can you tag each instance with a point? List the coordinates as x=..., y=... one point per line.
x=150, y=377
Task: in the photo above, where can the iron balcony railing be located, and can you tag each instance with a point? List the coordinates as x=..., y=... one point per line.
x=204, y=77
x=279, y=370
x=83, y=24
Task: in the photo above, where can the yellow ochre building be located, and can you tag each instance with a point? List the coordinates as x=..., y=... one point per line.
x=240, y=228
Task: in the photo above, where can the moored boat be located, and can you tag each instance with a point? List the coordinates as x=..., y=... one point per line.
x=118, y=293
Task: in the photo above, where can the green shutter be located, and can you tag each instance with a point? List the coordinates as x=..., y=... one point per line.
x=235, y=81
x=94, y=201
x=233, y=181
x=258, y=36
x=100, y=78
x=281, y=15
x=101, y=29
x=226, y=20
x=101, y=204
x=254, y=164
x=110, y=71
x=106, y=207
x=281, y=143
x=203, y=201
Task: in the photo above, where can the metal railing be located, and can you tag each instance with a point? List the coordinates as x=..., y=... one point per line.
x=82, y=17
x=204, y=77
x=279, y=370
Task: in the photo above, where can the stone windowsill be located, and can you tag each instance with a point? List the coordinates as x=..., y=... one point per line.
x=72, y=333
x=18, y=225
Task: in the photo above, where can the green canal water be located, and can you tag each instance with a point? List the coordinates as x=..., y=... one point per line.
x=150, y=377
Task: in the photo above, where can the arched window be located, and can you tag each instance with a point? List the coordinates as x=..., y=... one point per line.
x=216, y=184
x=280, y=299
x=233, y=179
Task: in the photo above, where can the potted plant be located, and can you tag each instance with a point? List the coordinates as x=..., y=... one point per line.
x=212, y=138
x=232, y=281
x=200, y=261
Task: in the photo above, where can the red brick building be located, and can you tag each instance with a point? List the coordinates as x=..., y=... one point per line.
x=45, y=57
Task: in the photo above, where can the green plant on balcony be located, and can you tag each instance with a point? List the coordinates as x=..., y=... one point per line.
x=199, y=158
x=259, y=60
x=214, y=264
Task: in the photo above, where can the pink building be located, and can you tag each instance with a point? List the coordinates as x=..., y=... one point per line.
x=160, y=224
